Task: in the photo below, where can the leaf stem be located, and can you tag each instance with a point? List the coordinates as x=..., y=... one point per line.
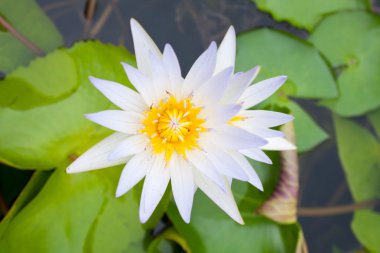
x=103, y=19
x=336, y=210
x=36, y=50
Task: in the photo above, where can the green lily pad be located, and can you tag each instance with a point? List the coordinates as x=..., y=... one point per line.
x=211, y=231
x=76, y=213
x=280, y=54
x=309, y=134
x=45, y=136
x=374, y=118
x=366, y=226
x=29, y=20
x=306, y=14
x=25, y=87
x=350, y=42
x=359, y=152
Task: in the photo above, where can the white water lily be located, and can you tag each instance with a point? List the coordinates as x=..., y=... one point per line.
x=195, y=131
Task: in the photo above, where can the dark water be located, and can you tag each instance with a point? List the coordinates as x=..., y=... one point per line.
x=189, y=26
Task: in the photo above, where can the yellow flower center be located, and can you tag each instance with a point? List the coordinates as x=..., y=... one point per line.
x=173, y=126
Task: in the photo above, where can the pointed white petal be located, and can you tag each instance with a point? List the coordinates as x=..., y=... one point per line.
x=238, y=84
x=130, y=146
x=141, y=82
x=259, y=131
x=120, y=95
x=278, y=144
x=174, y=71
x=224, y=199
x=226, y=51
x=121, y=121
x=219, y=114
x=155, y=184
x=252, y=175
x=143, y=44
x=263, y=119
x=96, y=157
x=256, y=154
x=212, y=91
x=160, y=77
x=223, y=162
x=133, y=172
x=182, y=182
x=236, y=138
x=201, y=71
x=261, y=91
x=203, y=165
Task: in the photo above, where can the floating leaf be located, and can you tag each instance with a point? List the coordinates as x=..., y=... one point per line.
x=374, y=118
x=309, y=134
x=350, y=41
x=27, y=87
x=366, y=226
x=76, y=213
x=282, y=54
x=45, y=136
x=28, y=19
x=306, y=14
x=359, y=153
x=211, y=231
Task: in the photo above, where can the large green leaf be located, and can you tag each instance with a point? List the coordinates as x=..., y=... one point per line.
x=350, y=41
x=306, y=14
x=28, y=19
x=27, y=87
x=211, y=231
x=366, y=226
x=76, y=213
x=282, y=54
x=374, y=118
x=359, y=153
x=309, y=134
x=45, y=136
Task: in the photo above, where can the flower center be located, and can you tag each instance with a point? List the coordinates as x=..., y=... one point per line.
x=173, y=126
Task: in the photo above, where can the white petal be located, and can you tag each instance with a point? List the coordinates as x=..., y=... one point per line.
x=261, y=118
x=224, y=199
x=236, y=138
x=174, y=71
x=259, y=131
x=219, y=114
x=238, y=84
x=260, y=91
x=121, y=121
x=203, y=165
x=143, y=44
x=252, y=175
x=160, y=77
x=120, y=95
x=226, y=51
x=155, y=184
x=182, y=182
x=96, y=157
x=256, y=154
x=223, y=162
x=133, y=172
x=130, y=146
x=201, y=71
x=278, y=144
x=212, y=91
x=141, y=82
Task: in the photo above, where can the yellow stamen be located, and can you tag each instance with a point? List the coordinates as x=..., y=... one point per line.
x=173, y=126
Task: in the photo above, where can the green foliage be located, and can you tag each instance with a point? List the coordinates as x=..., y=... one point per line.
x=28, y=19
x=306, y=14
x=29, y=87
x=45, y=136
x=359, y=152
x=76, y=213
x=350, y=42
